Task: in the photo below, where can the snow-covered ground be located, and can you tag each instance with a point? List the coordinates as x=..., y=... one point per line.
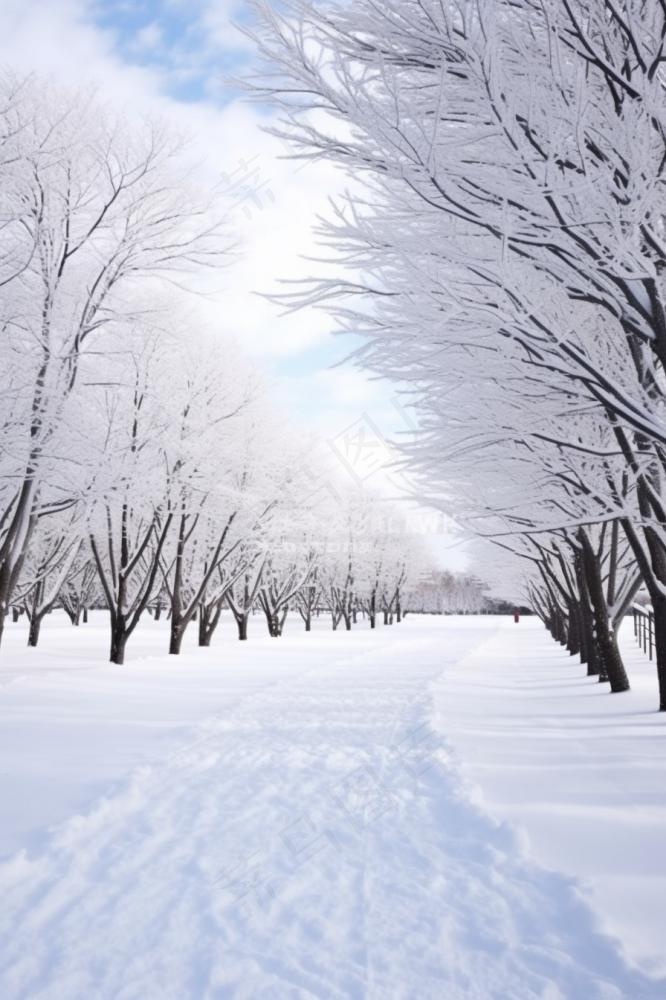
x=398, y=814
x=581, y=771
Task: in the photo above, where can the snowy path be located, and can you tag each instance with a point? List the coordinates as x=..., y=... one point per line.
x=312, y=841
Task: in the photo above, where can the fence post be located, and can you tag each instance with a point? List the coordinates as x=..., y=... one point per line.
x=651, y=624
x=644, y=628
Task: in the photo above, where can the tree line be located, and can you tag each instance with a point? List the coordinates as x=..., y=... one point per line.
x=142, y=466
x=505, y=242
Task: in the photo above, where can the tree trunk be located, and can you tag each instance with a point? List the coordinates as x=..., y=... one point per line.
x=560, y=627
x=653, y=569
x=204, y=638
x=573, y=629
x=582, y=638
x=242, y=623
x=592, y=650
x=35, y=626
x=16, y=542
x=73, y=612
x=118, y=642
x=611, y=665
x=204, y=622
x=273, y=623
x=208, y=618
x=659, y=607
x=176, y=638
x=589, y=642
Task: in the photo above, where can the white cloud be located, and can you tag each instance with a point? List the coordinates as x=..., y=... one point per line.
x=350, y=387
x=149, y=37
x=56, y=39
x=219, y=19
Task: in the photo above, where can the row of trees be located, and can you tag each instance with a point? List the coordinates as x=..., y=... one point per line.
x=140, y=465
x=508, y=249
x=190, y=559
x=441, y=592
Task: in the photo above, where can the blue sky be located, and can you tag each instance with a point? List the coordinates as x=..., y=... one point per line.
x=195, y=44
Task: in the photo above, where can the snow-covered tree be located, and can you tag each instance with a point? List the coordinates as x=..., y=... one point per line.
x=92, y=206
x=512, y=158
